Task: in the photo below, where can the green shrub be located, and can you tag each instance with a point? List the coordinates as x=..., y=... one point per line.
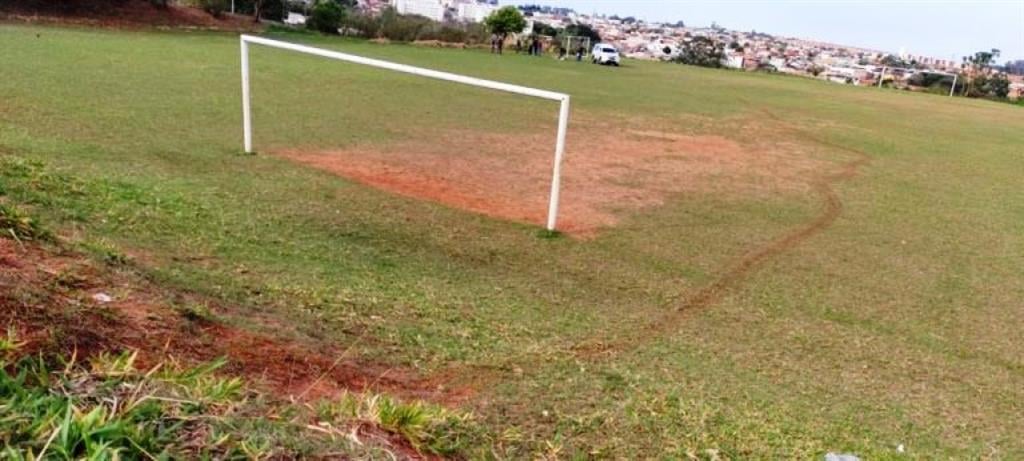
x=326, y=17
x=362, y=25
x=273, y=10
x=215, y=7
x=409, y=28
x=401, y=28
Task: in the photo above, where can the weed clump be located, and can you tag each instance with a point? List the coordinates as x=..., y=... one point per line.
x=21, y=227
x=428, y=428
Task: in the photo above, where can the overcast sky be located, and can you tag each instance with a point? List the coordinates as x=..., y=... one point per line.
x=941, y=29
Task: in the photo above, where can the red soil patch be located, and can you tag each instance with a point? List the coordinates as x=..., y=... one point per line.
x=47, y=294
x=128, y=14
x=604, y=178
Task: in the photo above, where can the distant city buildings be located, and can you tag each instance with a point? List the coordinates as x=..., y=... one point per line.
x=432, y=9
x=473, y=11
x=752, y=50
x=437, y=10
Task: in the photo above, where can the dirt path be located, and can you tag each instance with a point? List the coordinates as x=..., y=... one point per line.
x=832, y=208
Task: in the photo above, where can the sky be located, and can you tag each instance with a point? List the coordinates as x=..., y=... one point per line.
x=940, y=29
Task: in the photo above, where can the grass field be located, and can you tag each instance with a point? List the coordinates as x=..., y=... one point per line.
x=859, y=290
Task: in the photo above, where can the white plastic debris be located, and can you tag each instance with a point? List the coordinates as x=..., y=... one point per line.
x=102, y=298
x=841, y=457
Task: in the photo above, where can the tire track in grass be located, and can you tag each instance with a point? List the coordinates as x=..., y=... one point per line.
x=832, y=208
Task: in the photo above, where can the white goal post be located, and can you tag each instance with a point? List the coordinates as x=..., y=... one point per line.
x=563, y=99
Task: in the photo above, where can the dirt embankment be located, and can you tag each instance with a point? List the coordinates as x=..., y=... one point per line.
x=61, y=302
x=131, y=14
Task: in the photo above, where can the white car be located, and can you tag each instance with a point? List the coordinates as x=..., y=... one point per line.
x=604, y=53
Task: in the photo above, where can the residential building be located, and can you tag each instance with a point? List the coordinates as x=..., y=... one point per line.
x=427, y=8
x=473, y=11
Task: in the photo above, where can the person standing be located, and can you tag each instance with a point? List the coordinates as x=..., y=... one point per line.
x=494, y=43
x=579, y=53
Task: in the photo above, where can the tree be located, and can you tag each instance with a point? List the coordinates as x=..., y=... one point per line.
x=260, y=9
x=982, y=60
x=999, y=86
x=268, y=9
x=541, y=28
x=504, y=21
x=215, y=7
x=990, y=86
x=977, y=65
x=891, y=60
x=583, y=30
x=701, y=51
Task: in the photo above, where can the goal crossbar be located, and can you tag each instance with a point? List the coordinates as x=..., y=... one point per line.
x=562, y=98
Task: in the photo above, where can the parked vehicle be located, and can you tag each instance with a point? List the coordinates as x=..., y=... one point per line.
x=604, y=53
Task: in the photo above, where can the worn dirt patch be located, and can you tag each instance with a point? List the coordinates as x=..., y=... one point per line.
x=605, y=177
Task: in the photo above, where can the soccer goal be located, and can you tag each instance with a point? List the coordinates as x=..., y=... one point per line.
x=952, y=88
x=561, y=98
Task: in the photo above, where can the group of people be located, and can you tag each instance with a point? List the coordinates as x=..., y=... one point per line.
x=497, y=43
x=533, y=47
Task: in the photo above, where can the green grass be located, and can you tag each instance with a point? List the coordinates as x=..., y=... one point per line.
x=896, y=325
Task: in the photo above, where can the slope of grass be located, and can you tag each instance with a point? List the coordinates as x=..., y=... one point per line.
x=109, y=409
x=896, y=325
